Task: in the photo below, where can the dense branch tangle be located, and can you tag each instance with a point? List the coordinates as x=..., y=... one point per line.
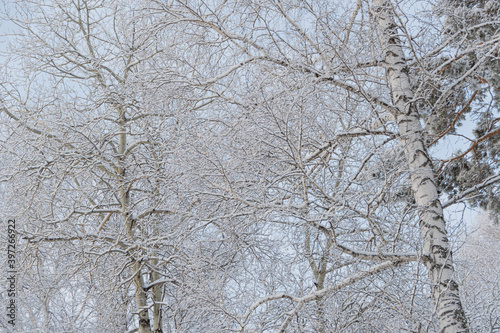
x=93, y=52
x=239, y=166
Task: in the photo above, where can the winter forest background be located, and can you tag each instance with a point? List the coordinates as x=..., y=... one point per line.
x=252, y=165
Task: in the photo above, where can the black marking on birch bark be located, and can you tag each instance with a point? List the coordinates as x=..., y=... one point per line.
x=404, y=120
x=421, y=151
x=426, y=163
x=460, y=315
x=442, y=252
x=438, y=267
x=448, y=313
x=426, y=258
x=144, y=322
x=382, y=8
x=456, y=314
x=423, y=196
x=405, y=68
x=431, y=208
x=394, y=41
x=452, y=285
x=424, y=180
x=414, y=157
x=435, y=203
x=391, y=26
x=430, y=228
x=393, y=67
x=391, y=30
x=389, y=53
x=438, y=217
x=431, y=214
x=405, y=99
x=421, y=222
x=399, y=98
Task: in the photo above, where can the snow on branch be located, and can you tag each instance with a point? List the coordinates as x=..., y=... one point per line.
x=487, y=182
x=301, y=301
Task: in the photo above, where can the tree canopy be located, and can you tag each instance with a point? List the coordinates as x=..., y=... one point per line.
x=250, y=166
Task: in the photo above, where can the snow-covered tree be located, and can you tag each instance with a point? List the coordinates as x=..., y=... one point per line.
x=96, y=118
x=252, y=166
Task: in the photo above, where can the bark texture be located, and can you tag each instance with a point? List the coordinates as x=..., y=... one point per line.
x=140, y=294
x=436, y=249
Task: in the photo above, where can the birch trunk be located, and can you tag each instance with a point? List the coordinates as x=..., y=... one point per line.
x=157, y=297
x=436, y=249
x=140, y=294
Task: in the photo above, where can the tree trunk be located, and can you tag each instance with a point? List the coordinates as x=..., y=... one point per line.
x=140, y=294
x=157, y=297
x=436, y=249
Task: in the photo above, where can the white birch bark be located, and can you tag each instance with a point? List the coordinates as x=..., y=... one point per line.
x=436, y=249
x=140, y=294
x=157, y=297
